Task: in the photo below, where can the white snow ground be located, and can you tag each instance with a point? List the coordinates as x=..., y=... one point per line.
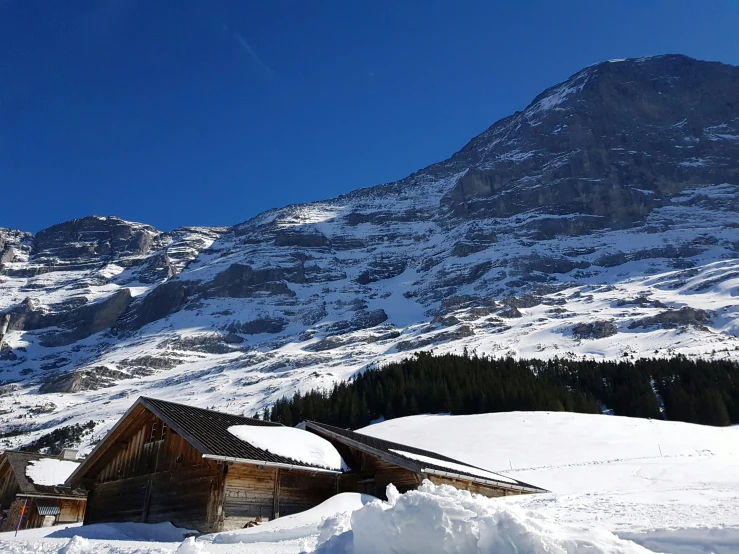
x=670, y=487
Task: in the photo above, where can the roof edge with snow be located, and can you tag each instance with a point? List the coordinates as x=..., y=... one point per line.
x=439, y=467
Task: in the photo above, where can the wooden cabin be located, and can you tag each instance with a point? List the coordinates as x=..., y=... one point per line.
x=170, y=462
x=375, y=463
x=37, y=503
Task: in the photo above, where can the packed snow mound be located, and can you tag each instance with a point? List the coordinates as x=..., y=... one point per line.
x=145, y=532
x=444, y=520
x=296, y=526
x=50, y=471
x=296, y=444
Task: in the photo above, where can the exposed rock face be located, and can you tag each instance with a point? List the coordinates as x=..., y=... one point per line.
x=670, y=319
x=87, y=379
x=93, y=238
x=580, y=150
x=258, y=326
x=77, y=323
x=302, y=239
x=164, y=300
x=382, y=268
x=241, y=281
x=613, y=198
x=594, y=330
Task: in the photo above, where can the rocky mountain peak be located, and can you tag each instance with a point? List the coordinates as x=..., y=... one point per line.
x=600, y=221
x=609, y=144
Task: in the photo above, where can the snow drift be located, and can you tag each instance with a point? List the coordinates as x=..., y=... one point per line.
x=296, y=526
x=444, y=520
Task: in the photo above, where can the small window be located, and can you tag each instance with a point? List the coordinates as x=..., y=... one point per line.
x=157, y=431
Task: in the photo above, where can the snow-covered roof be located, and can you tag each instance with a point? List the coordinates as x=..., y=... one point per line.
x=50, y=471
x=40, y=475
x=292, y=443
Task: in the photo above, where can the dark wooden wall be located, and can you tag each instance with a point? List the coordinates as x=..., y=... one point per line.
x=301, y=490
x=260, y=493
x=149, y=476
x=372, y=475
x=71, y=511
x=248, y=495
x=8, y=486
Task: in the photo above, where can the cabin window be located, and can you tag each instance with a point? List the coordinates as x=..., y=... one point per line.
x=157, y=432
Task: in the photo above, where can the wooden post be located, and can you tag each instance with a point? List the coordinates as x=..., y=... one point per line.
x=147, y=501
x=276, y=506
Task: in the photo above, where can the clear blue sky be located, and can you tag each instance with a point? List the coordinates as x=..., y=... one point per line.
x=207, y=112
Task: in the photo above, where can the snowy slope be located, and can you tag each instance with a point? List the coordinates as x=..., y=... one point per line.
x=635, y=477
x=600, y=221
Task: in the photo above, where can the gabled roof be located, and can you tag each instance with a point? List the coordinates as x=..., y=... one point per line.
x=416, y=459
x=18, y=462
x=205, y=430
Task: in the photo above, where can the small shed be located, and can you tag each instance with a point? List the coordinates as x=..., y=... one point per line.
x=33, y=494
x=164, y=461
x=375, y=463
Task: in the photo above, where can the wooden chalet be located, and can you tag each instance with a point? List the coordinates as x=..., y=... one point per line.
x=375, y=463
x=31, y=504
x=169, y=462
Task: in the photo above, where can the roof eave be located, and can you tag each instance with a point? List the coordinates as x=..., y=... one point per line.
x=483, y=481
x=260, y=463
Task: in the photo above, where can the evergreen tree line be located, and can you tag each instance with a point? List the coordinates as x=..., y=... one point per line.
x=696, y=391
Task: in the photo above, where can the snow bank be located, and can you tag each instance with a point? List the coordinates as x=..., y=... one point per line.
x=297, y=526
x=296, y=444
x=50, y=471
x=154, y=532
x=445, y=520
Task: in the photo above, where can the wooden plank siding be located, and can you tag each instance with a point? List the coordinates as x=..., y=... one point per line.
x=154, y=475
x=301, y=490
x=255, y=493
x=248, y=495
x=372, y=475
x=71, y=511
x=8, y=486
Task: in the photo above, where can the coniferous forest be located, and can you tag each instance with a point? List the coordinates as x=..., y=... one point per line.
x=696, y=391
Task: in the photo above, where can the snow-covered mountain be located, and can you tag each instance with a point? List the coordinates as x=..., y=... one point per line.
x=603, y=220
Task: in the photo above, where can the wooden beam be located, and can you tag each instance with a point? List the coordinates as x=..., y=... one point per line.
x=147, y=502
x=276, y=507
